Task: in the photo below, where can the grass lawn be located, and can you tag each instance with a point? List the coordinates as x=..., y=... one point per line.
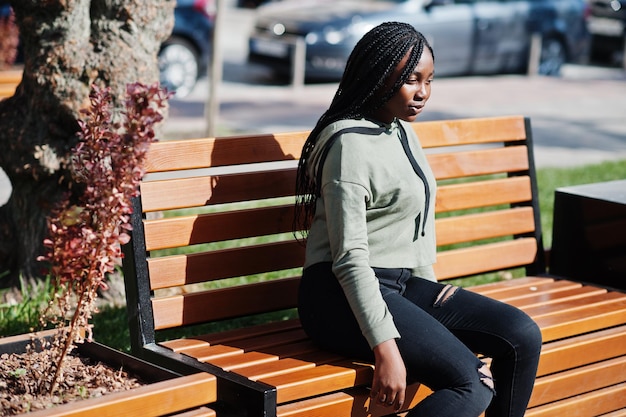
x=110, y=325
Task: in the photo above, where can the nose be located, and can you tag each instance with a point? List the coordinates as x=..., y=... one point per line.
x=421, y=91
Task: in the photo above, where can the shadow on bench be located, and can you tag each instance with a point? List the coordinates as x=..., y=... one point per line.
x=212, y=242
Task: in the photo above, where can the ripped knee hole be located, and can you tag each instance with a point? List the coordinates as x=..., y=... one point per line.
x=446, y=293
x=486, y=377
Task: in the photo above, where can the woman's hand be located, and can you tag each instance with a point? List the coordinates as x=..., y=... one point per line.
x=389, y=383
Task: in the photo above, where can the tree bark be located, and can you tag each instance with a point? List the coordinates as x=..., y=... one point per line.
x=68, y=46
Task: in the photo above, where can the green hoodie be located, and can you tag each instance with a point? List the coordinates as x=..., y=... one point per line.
x=372, y=212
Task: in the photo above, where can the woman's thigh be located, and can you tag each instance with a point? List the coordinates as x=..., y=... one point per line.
x=432, y=354
x=485, y=325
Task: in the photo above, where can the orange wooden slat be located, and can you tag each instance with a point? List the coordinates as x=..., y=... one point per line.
x=542, y=290
x=209, y=353
x=353, y=402
x=156, y=399
x=224, y=303
x=580, y=350
x=485, y=225
x=562, y=306
x=179, y=345
x=470, y=131
x=483, y=193
x=561, y=291
x=319, y=380
x=213, y=152
x=214, y=227
x=578, y=381
x=270, y=341
x=201, y=191
x=591, y=404
x=279, y=331
x=11, y=76
x=483, y=258
x=178, y=270
x=580, y=321
x=198, y=412
x=274, y=368
x=233, y=363
x=617, y=413
x=479, y=162
x=494, y=288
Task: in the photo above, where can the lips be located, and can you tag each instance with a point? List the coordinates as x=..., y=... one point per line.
x=416, y=109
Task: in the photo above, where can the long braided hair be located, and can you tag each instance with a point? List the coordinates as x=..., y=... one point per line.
x=359, y=94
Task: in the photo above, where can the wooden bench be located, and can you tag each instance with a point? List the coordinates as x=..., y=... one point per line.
x=212, y=241
x=9, y=80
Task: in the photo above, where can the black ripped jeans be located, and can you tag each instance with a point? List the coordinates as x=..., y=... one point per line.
x=438, y=342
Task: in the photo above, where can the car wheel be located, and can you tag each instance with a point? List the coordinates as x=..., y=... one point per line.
x=178, y=66
x=552, y=57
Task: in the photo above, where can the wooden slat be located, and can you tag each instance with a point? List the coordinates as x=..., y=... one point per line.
x=591, y=404
x=246, y=359
x=11, y=76
x=581, y=321
x=580, y=350
x=486, y=225
x=214, y=227
x=319, y=380
x=353, y=402
x=200, y=191
x=617, y=413
x=198, y=412
x=493, y=288
x=563, y=306
x=271, y=369
x=224, y=303
x=578, y=381
x=479, y=162
x=214, y=152
x=178, y=270
x=156, y=399
x=561, y=291
x=209, y=353
x=483, y=258
x=483, y=193
x=470, y=131
x=278, y=331
x=523, y=291
x=9, y=80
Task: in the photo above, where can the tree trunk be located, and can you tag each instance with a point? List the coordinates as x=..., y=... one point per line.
x=68, y=46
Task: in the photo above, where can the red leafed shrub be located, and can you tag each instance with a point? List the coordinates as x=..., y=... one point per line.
x=85, y=231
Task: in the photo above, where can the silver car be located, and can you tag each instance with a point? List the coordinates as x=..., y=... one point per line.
x=468, y=36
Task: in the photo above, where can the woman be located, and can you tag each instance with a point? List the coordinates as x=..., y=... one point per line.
x=366, y=197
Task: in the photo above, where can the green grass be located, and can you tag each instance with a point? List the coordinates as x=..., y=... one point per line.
x=110, y=324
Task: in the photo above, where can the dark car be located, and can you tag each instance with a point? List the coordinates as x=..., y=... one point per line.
x=469, y=36
x=185, y=56
x=607, y=25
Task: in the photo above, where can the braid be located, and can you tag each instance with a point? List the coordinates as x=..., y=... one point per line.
x=360, y=92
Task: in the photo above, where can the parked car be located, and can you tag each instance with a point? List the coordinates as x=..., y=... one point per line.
x=469, y=36
x=252, y=4
x=607, y=25
x=184, y=57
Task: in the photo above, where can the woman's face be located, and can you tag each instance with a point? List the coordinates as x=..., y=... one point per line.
x=410, y=100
